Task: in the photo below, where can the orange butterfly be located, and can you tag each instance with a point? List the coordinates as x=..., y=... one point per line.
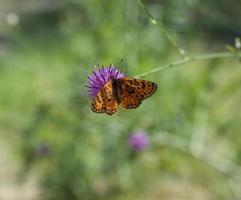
x=128, y=92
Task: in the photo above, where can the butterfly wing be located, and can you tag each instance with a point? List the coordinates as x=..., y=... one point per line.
x=104, y=102
x=134, y=91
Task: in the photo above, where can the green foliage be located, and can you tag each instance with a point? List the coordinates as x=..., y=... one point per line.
x=78, y=154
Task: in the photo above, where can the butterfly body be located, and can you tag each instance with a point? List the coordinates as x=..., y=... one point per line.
x=116, y=89
x=128, y=92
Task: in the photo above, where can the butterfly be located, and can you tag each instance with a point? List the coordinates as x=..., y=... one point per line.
x=128, y=92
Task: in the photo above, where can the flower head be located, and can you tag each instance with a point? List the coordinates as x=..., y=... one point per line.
x=42, y=149
x=100, y=77
x=139, y=140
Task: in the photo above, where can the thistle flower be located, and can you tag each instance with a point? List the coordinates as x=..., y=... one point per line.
x=139, y=140
x=100, y=77
x=42, y=149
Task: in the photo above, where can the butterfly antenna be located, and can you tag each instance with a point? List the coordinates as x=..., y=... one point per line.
x=121, y=60
x=124, y=68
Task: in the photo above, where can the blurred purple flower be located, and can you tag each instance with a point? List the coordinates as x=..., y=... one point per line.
x=42, y=149
x=139, y=140
x=100, y=77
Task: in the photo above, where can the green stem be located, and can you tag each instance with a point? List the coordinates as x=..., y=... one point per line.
x=218, y=163
x=163, y=30
x=189, y=59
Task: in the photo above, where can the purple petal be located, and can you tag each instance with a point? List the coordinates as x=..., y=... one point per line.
x=139, y=140
x=100, y=77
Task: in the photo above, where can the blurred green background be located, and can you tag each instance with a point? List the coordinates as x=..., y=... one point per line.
x=54, y=147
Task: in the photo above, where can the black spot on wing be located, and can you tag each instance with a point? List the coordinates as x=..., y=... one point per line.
x=143, y=85
x=130, y=90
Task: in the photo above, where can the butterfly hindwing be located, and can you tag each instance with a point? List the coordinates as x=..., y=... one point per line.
x=104, y=102
x=111, y=107
x=98, y=104
x=134, y=91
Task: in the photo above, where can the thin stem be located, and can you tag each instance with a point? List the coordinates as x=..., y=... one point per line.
x=223, y=166
x=220, y=164
x=201, y=57
x=163, y=30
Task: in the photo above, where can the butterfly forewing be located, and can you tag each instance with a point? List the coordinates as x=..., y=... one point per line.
x=104, y=102
x=134, y=91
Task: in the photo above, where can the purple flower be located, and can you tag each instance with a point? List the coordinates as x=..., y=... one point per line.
x=42, y=149
x=139, y=140
x=100, y=77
